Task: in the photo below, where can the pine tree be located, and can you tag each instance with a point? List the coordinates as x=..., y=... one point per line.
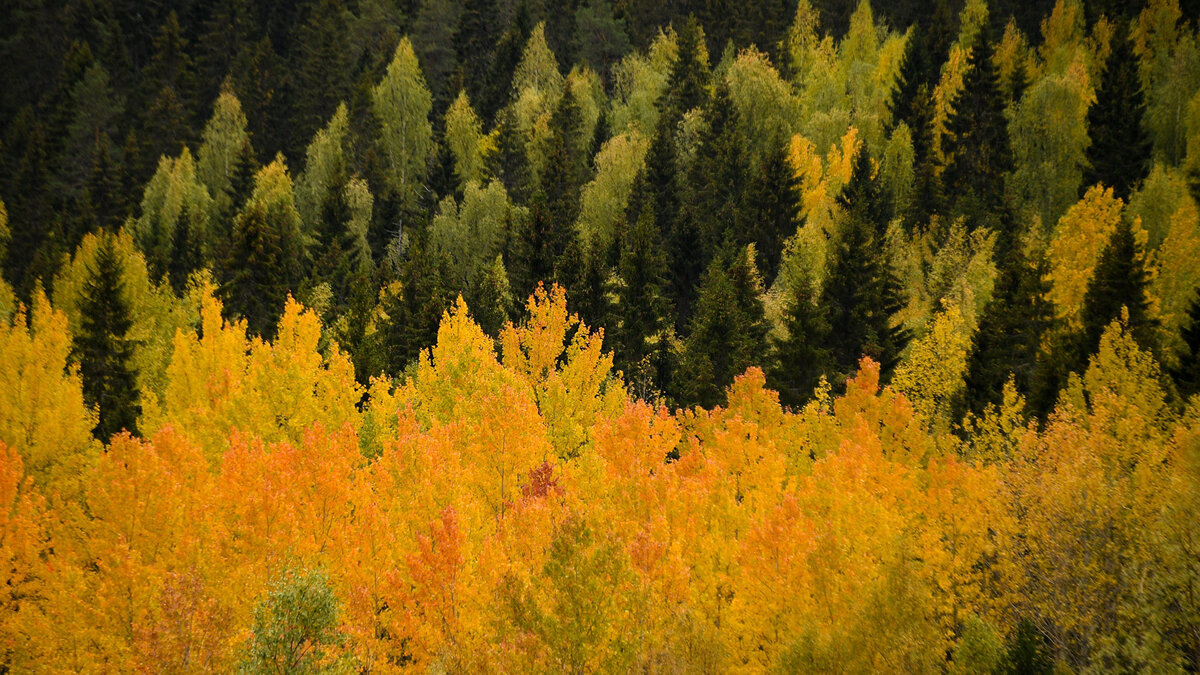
x=1119, y=281
x=1187, y=373
x=773, y=202
x=106, y=188
x=1011, y=331
x=980, y=152
x=1119, y=154
x=861, y=298
x=509, y=49
x=537, y=246
x=800, y=358
x=727, y=333
x=718, y=176
x=912, y=104
x=103, y=348
x=600, y=38
x=643, y=310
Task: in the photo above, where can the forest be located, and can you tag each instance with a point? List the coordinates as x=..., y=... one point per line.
x=659, y=336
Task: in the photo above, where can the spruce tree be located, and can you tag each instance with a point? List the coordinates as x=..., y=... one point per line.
x=1119, y=281
x=801, y=356
x=718, y=176
x=689, y=76
x=912, y=104
x=773, y=209
x=475, y=40
x=727, y=332
x=1187, y=373
x=509, y=48
x=1011, y=331
x=863, y=198
x=186, y=254
x=980, y=152
x=1119, y=154
x=493, y=305
x=257, y=272
x=323, y=73
x=566, y=167
x=415, y=313
x=643, y=310
x=861, y=298
x=103, y=348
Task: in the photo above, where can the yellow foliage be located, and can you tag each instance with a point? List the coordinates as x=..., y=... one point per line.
x=1078, y=240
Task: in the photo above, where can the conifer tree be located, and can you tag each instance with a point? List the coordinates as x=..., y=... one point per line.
x=1119, y=154
x=475, y=40
x=686, y=85
x=103, y=348
x=256, y=284
x=727, y=332
x=324, y=69
x=566, y=168
x=980, y=152
x=643, y=310
x=500, y=69
x=800, y=358
x=1011, y=331
x=416, y=311
x=863, y=197
x=718, y=176
x=186, y=250
x=1187, y=373
x=493, y=305
x=106, y=188
x=861, y=298
x=1120, y=281
x=912, y=104
x=773, y=205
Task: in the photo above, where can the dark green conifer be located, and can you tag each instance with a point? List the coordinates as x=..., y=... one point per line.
x=258, y=272
x=1119, y=281
x=728, y=331
x=1187, y=373
x=978, y=145
x=1119, y=154
x=861, y=298
x=643, y=313
x=103, y=348
x=1011, y=330
x=801, y=356
x=773, y=205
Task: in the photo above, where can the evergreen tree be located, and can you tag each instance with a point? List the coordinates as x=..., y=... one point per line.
x=103, y=348
x=980, y=152
x=1187, y=373
x=493, y=303
x=106, y=188
x=600, y=38
x=643, y=310
x=861, y=298
x=912, y=104
x=566, y=167
x=801, y=357
x=863, y=197
x=415, y=313
x=727, y=333
x=475, y=40
x=1119, y=281
x=718, y=175
x=689, y=76
x=257, y=272
x=323, y=74
x=1011, y=331
x=537, y=246
x=186, y=252
x=773, y=202
x=1119, y=154
x=495, y=88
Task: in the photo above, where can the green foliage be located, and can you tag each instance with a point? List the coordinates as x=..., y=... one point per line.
x=295, y=627
x=402, y=104
x=643, y=312
x=1119, y=285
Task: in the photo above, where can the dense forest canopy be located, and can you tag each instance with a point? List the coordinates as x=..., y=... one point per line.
x=600, y=335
